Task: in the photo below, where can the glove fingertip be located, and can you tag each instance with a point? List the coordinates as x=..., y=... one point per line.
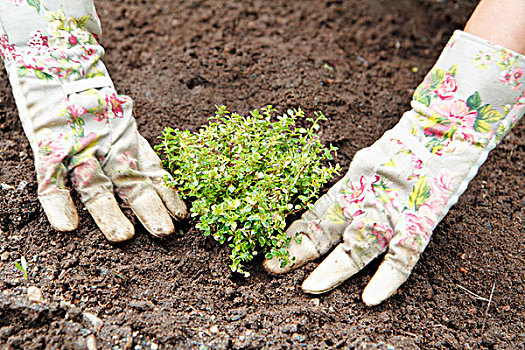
x=175, y=205
x=334, y=270
x=385, y=283
x=303, y=252
x=60, y=211
x=109, y=218
x=151, y=212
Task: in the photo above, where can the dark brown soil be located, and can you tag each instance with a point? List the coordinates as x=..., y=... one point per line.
x=178, y=59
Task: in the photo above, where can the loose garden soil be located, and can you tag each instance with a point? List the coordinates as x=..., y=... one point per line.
x=358, y=62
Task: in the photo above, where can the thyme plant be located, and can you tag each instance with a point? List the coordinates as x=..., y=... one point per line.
x=245, y=174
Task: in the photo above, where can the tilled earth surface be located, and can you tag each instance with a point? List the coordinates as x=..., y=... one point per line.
x=358, y=62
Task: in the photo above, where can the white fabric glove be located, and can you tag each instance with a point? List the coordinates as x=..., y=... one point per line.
x=400, y=188
x=76, y=123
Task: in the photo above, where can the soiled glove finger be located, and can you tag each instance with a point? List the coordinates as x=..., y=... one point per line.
x=96, y=192
x=60, y=210
x=400, y=259
x=364, y=240
x=318, y=230
x=349, y=257
x=52, y=194
x=132, y=184
x=151, y=165
x=51, y=172
x=152, y=213
x=109, y=218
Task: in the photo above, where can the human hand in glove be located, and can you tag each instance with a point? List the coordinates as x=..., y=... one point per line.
x=76, y=122
x=397, y=190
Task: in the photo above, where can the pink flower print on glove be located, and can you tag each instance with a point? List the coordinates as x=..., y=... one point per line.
x=54, y=148
x=520, y=101
x=448, y=87
x=39, y=41
x=111, y=108
x=76, y=111
x=417, y=228
x=84, y=172
x=353, y=198
x=456, y=112
x=441, y=188
x=383, y=234
x=127, y=160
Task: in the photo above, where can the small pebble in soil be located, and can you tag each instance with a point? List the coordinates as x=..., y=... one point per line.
x=298, y=337
x=96, y=322
x=235, y=318
x=362, y=60
x=214, y=329
x=34, y=294
x=6, y=187
x=142, y=305
x=21, y=185
x=289, y=328
x=91, y=342
x=65, y=304
x=315, y=302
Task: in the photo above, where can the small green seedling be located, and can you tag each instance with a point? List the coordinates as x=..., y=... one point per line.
x=245, y=174
x=22, y=266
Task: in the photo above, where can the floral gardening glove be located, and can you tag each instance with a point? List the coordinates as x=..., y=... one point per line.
x=400, y=188
x=77, y=124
